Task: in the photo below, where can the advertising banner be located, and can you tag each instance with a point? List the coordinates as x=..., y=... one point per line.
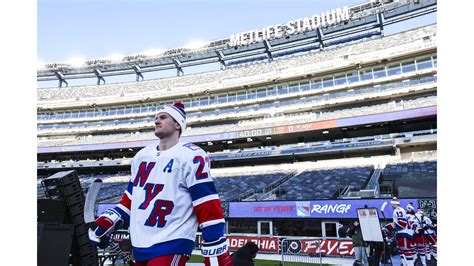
x=323, y=209
x=309, y=209
x=327, y=247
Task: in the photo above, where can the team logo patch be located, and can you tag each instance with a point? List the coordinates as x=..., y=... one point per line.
x=191, y=146
x=303, y=209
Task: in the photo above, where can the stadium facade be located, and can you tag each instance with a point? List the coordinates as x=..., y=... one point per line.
x=304, y=123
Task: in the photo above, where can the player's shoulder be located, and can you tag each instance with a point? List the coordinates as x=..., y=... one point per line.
x=147, y=149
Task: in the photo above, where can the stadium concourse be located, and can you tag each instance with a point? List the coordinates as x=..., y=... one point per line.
x=304, y=125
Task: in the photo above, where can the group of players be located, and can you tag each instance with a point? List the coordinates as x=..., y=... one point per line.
x=415, y=233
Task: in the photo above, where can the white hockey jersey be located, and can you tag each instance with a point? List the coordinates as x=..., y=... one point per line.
x=421, y=221
x=400, y=223
x=169, y=194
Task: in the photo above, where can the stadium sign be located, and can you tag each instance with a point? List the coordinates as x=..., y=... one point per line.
x=323, y=209
x=273, y=244
x=292, y=27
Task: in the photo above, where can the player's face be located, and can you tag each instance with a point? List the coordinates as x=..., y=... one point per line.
x=165, y=126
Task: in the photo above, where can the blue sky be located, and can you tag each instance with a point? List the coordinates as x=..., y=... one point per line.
x=101, y=28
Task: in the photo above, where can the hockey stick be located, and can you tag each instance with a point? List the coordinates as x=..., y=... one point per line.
x=382, y=208
x=89, y=218
x=91, y=198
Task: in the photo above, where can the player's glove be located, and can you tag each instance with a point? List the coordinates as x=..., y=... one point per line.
x=216, y=253
x=108, y=222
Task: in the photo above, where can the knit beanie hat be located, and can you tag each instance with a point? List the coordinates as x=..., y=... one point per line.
x=176, y=111
x=395, y=201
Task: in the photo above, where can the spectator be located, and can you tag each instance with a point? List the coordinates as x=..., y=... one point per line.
x=244, y=256
x=360, y=253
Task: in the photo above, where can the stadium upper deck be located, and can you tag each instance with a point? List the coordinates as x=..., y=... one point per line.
x=338, y=58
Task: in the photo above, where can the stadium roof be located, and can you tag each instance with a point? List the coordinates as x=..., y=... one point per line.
x=374, y=15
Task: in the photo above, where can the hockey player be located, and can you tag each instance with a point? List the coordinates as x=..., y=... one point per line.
x=418, y=223
x=403, y=232
x=170, y=193
x=425, y=236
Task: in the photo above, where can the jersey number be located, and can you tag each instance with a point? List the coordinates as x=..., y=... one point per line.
x=199, y=173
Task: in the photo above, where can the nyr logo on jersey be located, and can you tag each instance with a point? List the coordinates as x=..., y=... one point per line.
x=161, y=208
x=143, y=172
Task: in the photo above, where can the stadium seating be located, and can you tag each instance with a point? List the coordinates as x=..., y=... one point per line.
x=260, y=123
x=322, y=180
x=194, y=117
x=231, y=188
x=413, y=179
x=428, y=155
x=323, y=184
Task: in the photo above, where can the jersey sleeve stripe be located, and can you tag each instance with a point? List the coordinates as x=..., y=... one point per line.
x=211, y=233
x=124, y=212
x=201, y=190
x=205, y=199
x=125, y=202
x=211, y=223
x=209, y=211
